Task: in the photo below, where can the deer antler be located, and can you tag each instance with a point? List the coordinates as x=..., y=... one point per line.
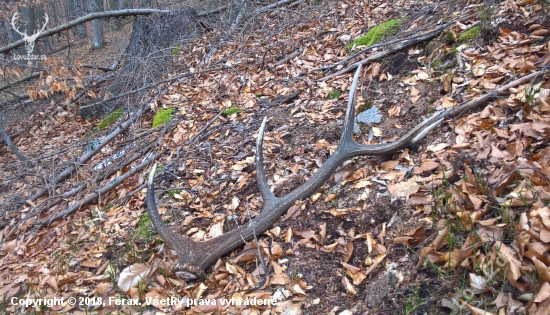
x=16, y=27
x=29, y=40
x=43, y=26
x=194, y=257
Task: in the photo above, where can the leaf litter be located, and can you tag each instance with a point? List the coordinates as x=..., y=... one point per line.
x=473, y=200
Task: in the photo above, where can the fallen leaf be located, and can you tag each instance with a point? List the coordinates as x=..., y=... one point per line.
x=404, y=189
x=350, y=290
x=132, y=275
x=448, y=102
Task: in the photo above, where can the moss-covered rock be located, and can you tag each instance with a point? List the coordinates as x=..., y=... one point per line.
x=163, y=116
x=232, y=110
x=109, y=120
x=470, y=34
x=375, y=34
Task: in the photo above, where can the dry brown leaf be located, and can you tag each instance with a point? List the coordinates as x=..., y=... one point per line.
x=350, y=290
x=448, y=102
x=477, y=311
x=543, y=293
x=276, y=250
x=437, y=147
x=426, y=167
x=375, y=262
x=404, y=189
x=322, y=145
x=394, y=111
x=541, y=269
x=389, y=165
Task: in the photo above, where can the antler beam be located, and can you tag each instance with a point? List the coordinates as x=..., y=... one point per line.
x=194, y=257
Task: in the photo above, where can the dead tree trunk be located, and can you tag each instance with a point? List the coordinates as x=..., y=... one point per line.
x=97, y=6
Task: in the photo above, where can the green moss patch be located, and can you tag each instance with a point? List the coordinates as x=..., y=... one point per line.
x=364, y=107
x=143, y=228
x=334, y=94
x=109, y=120
x=470, y=34
x=375, y=34
x=176, y=50
x=162, y=117
x=232, y=110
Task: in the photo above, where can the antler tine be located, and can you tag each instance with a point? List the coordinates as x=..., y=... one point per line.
x=267, y=195
x=43, y=26
x=15, y=26
x=347, y=132
x=177, y=242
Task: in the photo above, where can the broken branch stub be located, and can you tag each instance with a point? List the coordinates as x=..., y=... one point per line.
x=194, y=257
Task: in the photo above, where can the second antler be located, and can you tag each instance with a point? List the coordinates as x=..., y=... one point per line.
x=194, y=257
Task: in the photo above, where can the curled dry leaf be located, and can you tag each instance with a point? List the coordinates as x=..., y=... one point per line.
x=276, y=250
x=437, y=147
x=350, y=290
x=542, y=269
x=375, y=262
x=394, y=111
x=411, y=238
x=478, y=283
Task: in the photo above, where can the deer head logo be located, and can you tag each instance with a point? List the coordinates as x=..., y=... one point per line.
x=29, y=40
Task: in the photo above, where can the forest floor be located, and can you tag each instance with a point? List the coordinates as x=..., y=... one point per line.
x=458, y=223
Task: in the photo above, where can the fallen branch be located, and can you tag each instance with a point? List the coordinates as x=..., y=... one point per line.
x=29, y=77
x=362, y=51
x=119, y=129
x=88, y=155
x=292, y=55
x=13, y=135
x=273, y=6
x=184, y=75
x=93, y=196
x=406, y=43
x=214, y=11
x=12, y=147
